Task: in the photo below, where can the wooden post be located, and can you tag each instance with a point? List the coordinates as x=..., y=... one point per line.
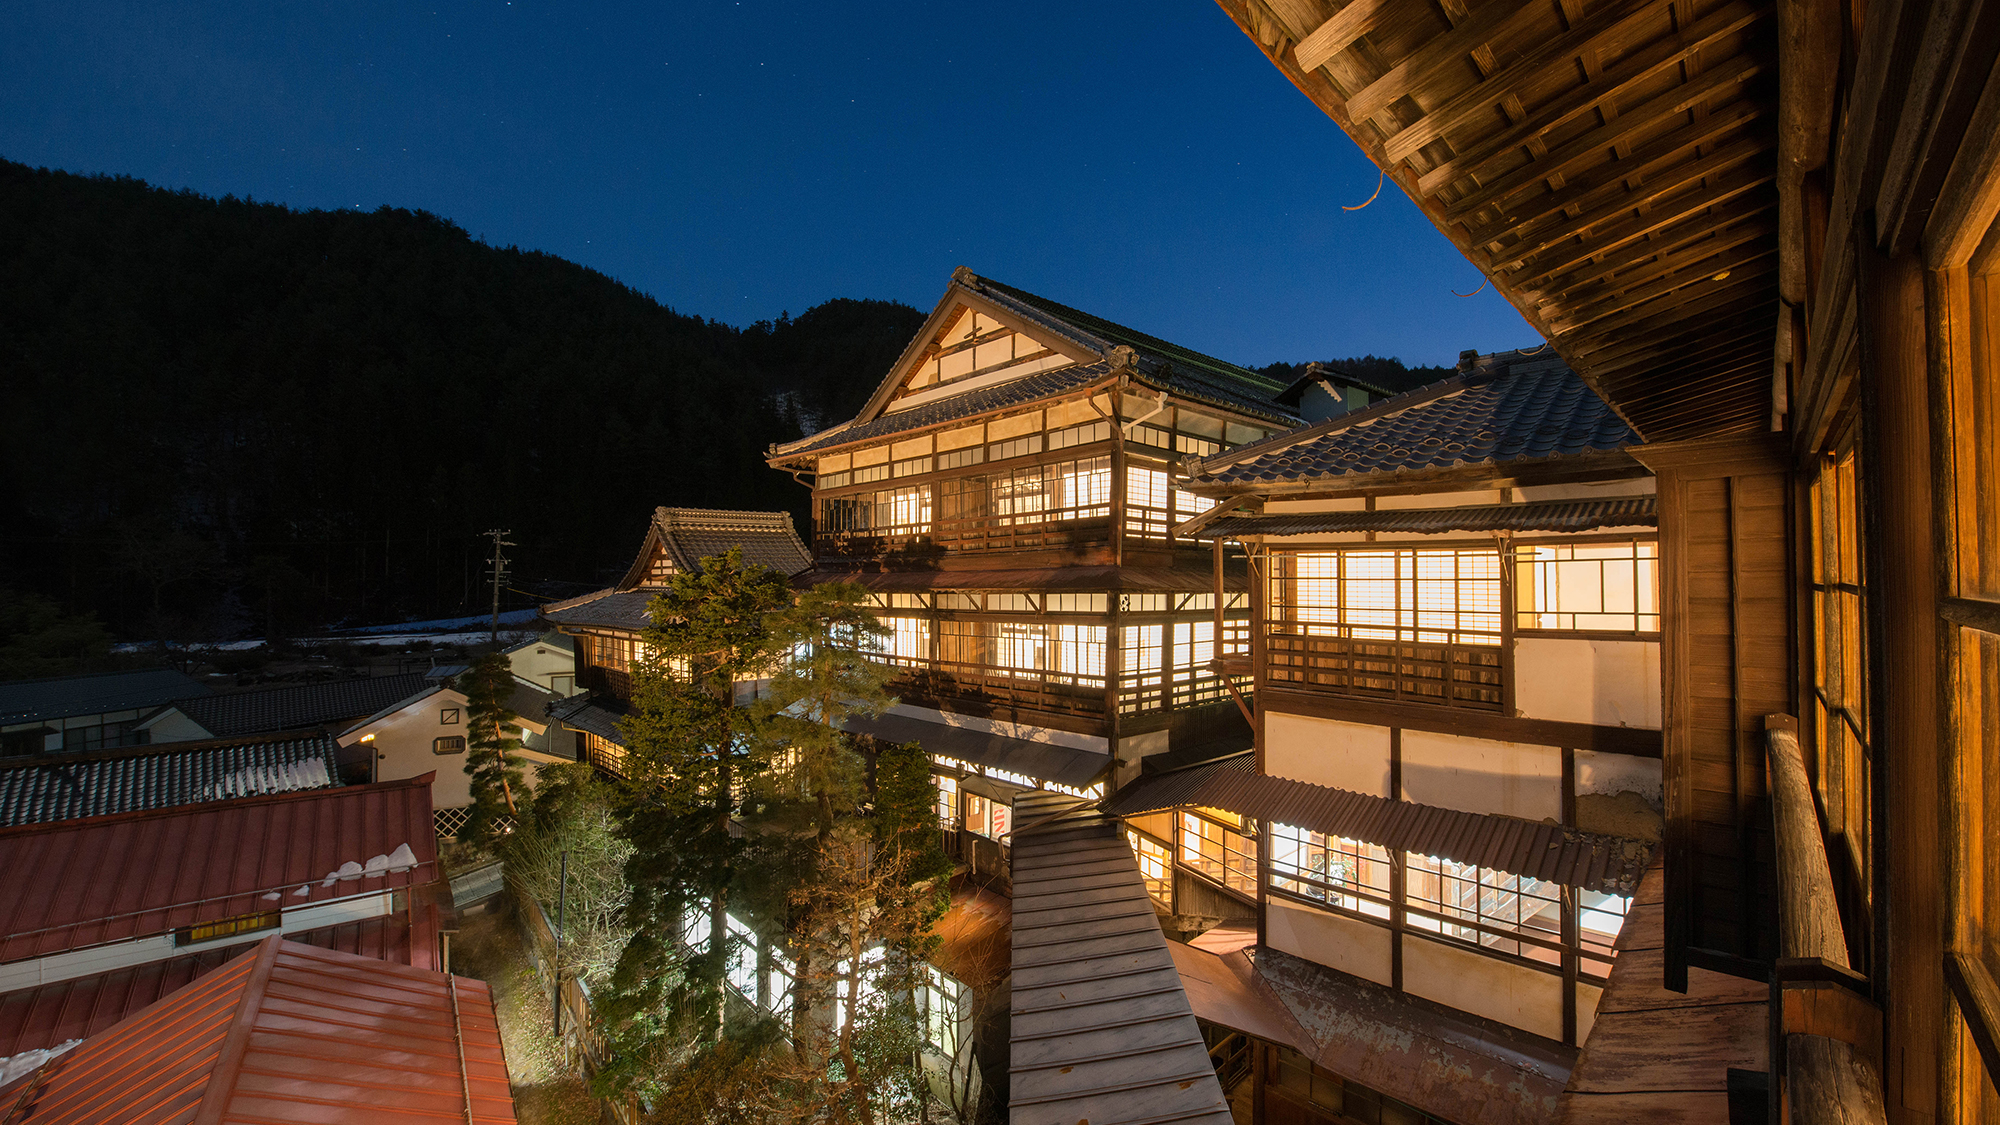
x=1903, y=603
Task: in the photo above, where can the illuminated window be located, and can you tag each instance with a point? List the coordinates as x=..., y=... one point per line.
x=1345, y=873
x=1508, y=913
x=939, y=1005
x=1600, y=917
x=227, y=927
x=1156, y=866
x=947, y=801
x=1147, y=500
x=1602, y=587
x=1417, y=626
x=907, y=642
x=1221, y=853
x=1837, y=741
x=451, y=744
x=976, y=808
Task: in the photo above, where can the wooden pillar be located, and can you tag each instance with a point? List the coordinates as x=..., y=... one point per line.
x=1903, y=574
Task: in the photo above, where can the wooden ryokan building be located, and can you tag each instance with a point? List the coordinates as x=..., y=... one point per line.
x=1764, y=234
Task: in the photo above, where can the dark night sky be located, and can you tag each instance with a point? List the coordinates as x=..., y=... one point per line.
x=739, y=159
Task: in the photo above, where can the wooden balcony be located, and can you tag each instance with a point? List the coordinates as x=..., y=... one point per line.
x=983, y=690
x=1434, y=674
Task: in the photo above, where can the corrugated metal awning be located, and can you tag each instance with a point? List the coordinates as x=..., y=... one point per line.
x=1043, y=761
x=1128, y=579
x=1551, y=515
x=1535, y=849
x=1101, y=1030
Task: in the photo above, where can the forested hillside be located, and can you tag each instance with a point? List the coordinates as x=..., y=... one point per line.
x=225, y=415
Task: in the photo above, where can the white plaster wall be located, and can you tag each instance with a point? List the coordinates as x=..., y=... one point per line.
x=1438, y=500
x=1611, y=774
x=1594, y=490
x=1605, y=683
x=1515, y=995
x=539, y=663
x=1352, y=756
x=1587, y=998
x=173, y=726
x=1346, y=944
x=1481, y=775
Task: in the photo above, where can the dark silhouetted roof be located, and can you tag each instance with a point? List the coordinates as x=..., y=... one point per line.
x=1044, y=761
x=1503, y=411
x=1519, y=847
x=290, y=1034
x=590, y=713
x=26, y=701
x=132, y=779
x=690, y=535
x=1551, y=515
x=49, y=1015
x=297, y=706
x=1100, y=1029
x=605, y=609
x=79, y=883
x=1107, y=578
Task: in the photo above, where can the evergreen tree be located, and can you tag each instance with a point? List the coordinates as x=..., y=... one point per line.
x=493, y=740
x=689, y=749
x=906, y=817
x=825, y=671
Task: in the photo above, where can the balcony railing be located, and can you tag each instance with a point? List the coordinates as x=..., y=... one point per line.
x=1431, y=673
x=977, y=685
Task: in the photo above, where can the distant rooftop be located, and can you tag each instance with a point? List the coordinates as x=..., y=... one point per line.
x=296, y=706
x=52, y=787
x=26, y=701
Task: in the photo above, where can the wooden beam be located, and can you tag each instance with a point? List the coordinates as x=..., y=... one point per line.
x=1639, y=226
x=1730, y=256
x=1753, y=264
x=1606, y=25
x=1588, y=148
x=1488, y=21
x=1611, y=85
x=1339, y=33
x=1728, y=156
x=1593, y=186
x=1655, y=259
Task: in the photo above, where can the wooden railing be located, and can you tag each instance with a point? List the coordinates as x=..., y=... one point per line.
x=981, y=685
x=1830, y=1029
x=986, y=533
x=1436, y=674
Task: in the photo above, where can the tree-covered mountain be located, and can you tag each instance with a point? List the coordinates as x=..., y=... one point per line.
x=224, y=415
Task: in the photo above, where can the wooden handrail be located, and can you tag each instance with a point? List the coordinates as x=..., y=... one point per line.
x=1808, y=913
x=1826, y=1080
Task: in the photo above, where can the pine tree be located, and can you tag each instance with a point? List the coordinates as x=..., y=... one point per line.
x=827, y=670
x=493, y=742
x=689, y=750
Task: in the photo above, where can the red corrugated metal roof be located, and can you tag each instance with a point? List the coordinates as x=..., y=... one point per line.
x=292, y=1034
x=48, y=1015
x=112, y=878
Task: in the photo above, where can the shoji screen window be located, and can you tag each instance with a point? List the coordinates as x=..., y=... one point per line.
x=1588, y=587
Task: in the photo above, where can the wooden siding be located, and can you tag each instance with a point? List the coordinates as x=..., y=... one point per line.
x=1726, y=661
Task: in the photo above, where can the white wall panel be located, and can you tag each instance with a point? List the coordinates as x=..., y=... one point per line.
x=1352, y=756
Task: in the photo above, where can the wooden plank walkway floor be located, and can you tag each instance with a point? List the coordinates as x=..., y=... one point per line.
x=1664, y=1057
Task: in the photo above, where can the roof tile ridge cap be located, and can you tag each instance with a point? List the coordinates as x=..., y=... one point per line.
x=580, y=599
x=220, y=1086
x=1016, y=293
x=1373, y=412
x=1004, y=295
x=779, y=448
x=1067, y=370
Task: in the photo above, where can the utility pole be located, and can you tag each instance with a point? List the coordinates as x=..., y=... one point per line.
x=499, y=561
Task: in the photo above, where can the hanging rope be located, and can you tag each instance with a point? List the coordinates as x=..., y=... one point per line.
x=1532, y=351
x=1382, y=176
x=1475, y=292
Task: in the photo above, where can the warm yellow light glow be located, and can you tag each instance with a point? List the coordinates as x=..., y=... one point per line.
x=367, y=738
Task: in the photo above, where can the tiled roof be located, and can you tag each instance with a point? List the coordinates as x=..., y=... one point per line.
x=49, y=1015
x=768, y=539
x=590, y=713
x=1044, y=761
x=1183, y=369
x=1018, y=392
x=25, y=701
x=606, y=609
x=1519, y=847
x=1503, y=411
x=299, y=705
x=1550, y=515
x=79, y=883
x=550, y=639
x=290, y=1034
x=1100, y=1029
x=68, y=786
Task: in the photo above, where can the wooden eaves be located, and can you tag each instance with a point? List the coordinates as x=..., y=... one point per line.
x=1612, y=167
